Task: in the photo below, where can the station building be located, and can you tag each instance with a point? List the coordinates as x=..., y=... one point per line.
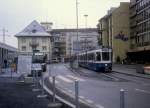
x=7, y=53
x=34, y=38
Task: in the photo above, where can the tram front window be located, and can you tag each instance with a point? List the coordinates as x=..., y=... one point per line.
x=105, y=56
x=98, y=56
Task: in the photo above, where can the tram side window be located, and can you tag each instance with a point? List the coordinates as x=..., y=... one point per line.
x=105, y=56
x=91, y=56
x=98, y=56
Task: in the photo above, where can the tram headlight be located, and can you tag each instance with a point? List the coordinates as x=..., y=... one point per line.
x=106, y=65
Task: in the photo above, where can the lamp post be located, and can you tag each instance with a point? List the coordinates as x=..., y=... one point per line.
x=86, y=34
x=77, y=43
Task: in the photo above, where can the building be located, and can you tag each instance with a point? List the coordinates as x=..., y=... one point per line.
x=34, y=37
x=65, y=42
x=140, y=31
x=58, y=45
x=114, y=31
x=7, y=53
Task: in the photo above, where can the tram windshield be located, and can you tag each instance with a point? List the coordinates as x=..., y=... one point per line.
x=98, y=56
x=105, y=56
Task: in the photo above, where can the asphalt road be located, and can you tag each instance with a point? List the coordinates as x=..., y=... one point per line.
x=103, y=90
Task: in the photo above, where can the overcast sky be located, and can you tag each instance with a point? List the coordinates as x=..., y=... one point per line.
x=15, y=15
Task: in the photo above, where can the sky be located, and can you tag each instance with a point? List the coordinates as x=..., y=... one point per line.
x=15, y=15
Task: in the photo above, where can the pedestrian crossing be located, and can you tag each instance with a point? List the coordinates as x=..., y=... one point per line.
x=66, y=79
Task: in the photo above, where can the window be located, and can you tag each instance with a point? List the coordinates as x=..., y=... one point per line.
x=105, y=56
x=44, y=40
x=23, y=40
x=23, y=48
x=98, y=56
x=44, y=48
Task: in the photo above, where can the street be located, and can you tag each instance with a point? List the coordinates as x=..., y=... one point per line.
x=102, y=89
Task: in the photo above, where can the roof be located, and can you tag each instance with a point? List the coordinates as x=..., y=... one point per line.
x=10, y=48
x=33, y=29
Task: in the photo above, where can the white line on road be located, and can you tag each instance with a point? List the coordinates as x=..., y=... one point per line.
x=65, y=79
x=82, y=97
x=144, y=91
x=99, y=106
x=75, y=78
x=89, y=101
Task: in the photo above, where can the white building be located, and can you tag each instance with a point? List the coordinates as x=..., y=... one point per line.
x=34, y=37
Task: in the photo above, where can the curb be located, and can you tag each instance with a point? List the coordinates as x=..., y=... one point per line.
x=131, y=74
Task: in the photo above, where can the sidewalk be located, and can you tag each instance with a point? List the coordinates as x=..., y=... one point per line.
x=19, y=95
x=8, y=73
x=128, y=70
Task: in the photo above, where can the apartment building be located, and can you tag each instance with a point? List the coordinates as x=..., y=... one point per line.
x=140, y=31
x=114, y=31
x=65, y=42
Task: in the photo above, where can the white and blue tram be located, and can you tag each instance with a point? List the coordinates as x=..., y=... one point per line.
x=98, y=60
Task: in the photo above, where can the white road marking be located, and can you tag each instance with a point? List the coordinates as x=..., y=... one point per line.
x=82, y=97
x=144, y=91
x=70, y=91
x=51, y=80
x=99, y=106
x=75, y=78
x=65, y=79
x=89, y=101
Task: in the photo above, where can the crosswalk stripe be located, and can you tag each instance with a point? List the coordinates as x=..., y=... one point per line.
x=65, y=79
x=75, y=78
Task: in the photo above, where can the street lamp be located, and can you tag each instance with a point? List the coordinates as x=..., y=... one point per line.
x=77, y=43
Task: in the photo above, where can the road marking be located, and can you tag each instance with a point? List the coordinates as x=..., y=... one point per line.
x=89, y=101
x=144, y=91
x=51, y=80
x=65, y=79
x=99, y=106
x=70, y=91
x=75, y=78
x=82, y=97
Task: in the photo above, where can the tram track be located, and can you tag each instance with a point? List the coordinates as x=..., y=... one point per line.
x=91, y=74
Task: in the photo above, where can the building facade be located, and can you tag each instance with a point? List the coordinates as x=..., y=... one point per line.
x=65, y=42
x=114, y=31
x=34, y=37
x=140, y=31
x=7, y=53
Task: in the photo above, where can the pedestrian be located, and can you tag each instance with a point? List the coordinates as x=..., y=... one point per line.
x=14, y=67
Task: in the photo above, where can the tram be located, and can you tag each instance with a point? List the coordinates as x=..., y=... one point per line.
x=99, y=60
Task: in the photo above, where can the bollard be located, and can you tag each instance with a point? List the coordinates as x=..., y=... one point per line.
x=42, y=95
x=122, y=105
x=54, y=90
x=77, y=94
x=54, y=104
x=36, y=82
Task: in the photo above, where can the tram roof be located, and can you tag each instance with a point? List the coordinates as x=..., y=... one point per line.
x=8, y=47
